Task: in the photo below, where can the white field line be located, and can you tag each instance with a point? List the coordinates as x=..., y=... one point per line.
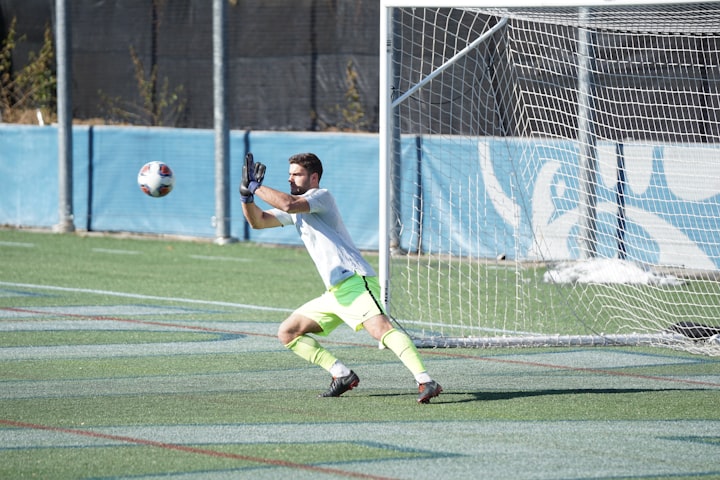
x=143, y=297
x=17, y=244
x=116, y=252
x=222, y=259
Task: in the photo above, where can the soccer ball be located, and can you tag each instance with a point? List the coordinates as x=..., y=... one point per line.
x=156, y=179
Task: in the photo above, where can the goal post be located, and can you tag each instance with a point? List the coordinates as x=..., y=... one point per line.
x=550, y=172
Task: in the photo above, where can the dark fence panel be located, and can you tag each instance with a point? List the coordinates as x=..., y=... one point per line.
x=293, y=65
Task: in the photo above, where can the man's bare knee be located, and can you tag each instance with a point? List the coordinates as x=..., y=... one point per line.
x=295, y=326
x=377, y=326
x=286, y=332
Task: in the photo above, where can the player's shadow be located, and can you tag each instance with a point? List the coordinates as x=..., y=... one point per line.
x=464, y=397
x=459, y=396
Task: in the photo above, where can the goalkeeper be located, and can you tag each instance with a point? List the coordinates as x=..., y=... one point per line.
x=352, y=294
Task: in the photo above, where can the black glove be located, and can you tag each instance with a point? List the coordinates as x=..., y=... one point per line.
x=259, y=174
x=252, y=177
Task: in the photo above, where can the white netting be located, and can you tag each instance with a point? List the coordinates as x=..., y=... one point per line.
x=556, y=175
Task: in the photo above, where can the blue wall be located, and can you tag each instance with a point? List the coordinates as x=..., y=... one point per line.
x=29, y=172
x=482, y=196
x=106, y=196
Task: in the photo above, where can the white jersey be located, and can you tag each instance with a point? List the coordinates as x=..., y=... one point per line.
x=327, y=241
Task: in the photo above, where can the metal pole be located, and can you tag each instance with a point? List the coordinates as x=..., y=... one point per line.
x=620, y=200
x=222, y=134
x=450, y=62
x=395, y=205
x=64, y=101
x=419, y=202
x=385, y=152
x=587, y=140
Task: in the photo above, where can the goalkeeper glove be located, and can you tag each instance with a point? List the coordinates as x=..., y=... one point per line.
x=252, y=177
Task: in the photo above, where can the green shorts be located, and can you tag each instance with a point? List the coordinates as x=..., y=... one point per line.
x=352, y=301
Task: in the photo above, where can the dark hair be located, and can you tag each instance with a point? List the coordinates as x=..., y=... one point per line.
x=308, y=161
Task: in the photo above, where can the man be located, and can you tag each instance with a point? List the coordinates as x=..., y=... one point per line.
x=352, y=294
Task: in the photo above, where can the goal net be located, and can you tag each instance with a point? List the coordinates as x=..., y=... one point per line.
x=551, y=175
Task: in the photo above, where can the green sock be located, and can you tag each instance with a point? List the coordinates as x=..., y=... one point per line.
x=309, y=349
x=405, y=349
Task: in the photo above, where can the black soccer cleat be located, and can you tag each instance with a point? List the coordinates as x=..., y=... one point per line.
x=428, y=390
x=340, y=385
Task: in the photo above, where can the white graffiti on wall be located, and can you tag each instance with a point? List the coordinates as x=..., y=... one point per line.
x=670, y=204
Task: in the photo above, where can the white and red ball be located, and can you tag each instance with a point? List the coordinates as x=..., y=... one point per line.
x=156, y=179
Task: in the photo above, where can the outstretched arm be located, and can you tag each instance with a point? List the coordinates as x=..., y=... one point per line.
x=283, y=201
x=258, y=218
x=252, y=177
x=251, y=184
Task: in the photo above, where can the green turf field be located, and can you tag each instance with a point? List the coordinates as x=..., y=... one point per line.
x=156, y=359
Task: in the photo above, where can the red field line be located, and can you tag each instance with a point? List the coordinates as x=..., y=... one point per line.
x=193, y=450
x=136, y=321
x=427, y=352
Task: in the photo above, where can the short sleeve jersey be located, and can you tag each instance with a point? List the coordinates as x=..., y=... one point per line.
x=327, y=241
